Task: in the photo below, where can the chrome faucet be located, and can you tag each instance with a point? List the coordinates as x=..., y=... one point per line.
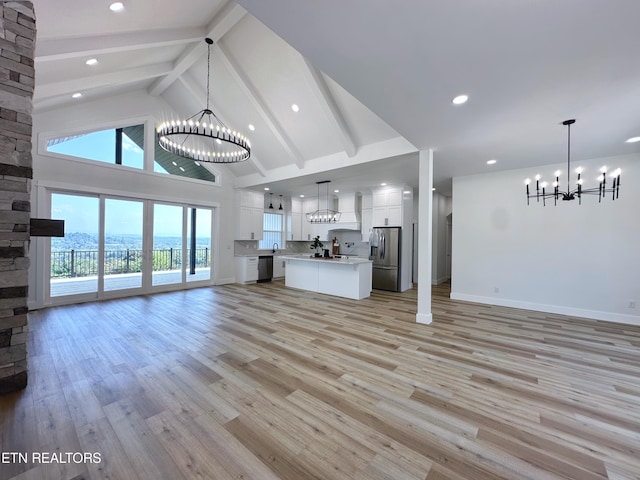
x=274, y=247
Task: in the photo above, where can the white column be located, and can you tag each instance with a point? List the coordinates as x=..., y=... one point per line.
x=425, y=231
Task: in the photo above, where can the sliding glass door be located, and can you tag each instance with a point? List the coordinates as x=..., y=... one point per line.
x=104, y=250
x=167, y=244
x=74, y=258
x=123, y=259
x=198, y=244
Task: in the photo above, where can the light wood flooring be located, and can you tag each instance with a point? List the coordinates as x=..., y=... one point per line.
x=264, y=382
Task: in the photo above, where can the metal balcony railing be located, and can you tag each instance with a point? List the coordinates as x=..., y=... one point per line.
x=84, y=263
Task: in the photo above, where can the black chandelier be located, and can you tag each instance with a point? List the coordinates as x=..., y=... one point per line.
x=203, y=137
x=325, y=215
x=601, y=190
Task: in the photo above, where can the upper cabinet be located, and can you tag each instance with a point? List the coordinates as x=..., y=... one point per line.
x=387, y=208
x=297, y=217
x=390, y=207
x=250, y=215
x=367, y=216
x=307, y=229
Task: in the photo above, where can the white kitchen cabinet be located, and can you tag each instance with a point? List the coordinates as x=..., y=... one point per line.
x=366, y=216
x=387, y=208
x=246, y=269
x=390, y=216
x=308, y=229
x=296, y=226
x=322, y=230
x=296, y=217
x=367, y=223
x=342, y=278
x=296, y=205
x=278, y=267
x=250, y=215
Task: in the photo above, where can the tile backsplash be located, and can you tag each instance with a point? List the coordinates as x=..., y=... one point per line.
x=350, y=244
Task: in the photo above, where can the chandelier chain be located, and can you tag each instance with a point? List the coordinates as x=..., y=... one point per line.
x=199, y=138
x=208, y=71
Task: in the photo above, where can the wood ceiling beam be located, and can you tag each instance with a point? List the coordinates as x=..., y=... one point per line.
x=245, y=85
x=48, y=50
x=230, y=14
x=330, y=107
x=130, y=75
x=198, y=94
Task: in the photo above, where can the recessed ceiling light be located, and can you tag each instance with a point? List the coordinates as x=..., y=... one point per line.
x=336, y=191
x=295, y=108
x=460, y=99
x=407, y=192
x=301, y=196
x=633, y=140
x=251, y=127
x=383, y=184
x=266, y=189
x=76, y=95
x=491, y=162
x=116, y=7
x=433, y=189
x=92, y=61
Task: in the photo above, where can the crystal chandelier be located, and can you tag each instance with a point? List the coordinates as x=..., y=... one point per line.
x=601, y=190
x=203, y=137
x=325, y=215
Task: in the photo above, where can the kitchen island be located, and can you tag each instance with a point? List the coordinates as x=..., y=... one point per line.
x=348, y=277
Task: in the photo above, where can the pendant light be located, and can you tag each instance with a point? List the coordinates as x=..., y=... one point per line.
x=325, y=215
x=280, y=207
x=601, y=190
x=203, y=137
x=271, y=201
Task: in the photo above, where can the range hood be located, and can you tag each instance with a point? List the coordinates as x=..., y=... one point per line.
x=349, y=208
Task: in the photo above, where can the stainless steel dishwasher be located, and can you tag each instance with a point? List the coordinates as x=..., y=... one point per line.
x=265, y=268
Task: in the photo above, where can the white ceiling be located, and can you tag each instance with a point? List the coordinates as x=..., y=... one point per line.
x=389, y=70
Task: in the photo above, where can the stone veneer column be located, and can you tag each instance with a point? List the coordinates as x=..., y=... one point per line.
x=17, y=45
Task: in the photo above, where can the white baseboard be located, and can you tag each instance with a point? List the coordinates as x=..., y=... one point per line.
x=558, y=309
x=225, y=281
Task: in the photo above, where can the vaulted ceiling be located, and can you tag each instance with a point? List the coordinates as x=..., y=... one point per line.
x=374, y=80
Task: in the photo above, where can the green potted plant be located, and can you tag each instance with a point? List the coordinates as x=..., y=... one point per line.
x=316, y=245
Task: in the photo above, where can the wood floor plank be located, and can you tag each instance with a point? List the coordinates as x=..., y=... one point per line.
x=99, y=437
x=266, y=382
x=144, y=450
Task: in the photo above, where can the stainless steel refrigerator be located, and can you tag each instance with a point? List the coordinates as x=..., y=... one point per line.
x=384, y=243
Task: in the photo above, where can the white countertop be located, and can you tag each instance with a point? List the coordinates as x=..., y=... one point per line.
x=343, y=260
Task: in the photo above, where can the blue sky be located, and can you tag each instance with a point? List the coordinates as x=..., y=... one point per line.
x=81, y=213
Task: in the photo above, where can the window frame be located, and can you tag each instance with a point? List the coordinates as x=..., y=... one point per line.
x=281, y=231
x=148, y=153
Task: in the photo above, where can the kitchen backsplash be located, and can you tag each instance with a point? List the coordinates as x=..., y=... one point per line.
x=350, y=244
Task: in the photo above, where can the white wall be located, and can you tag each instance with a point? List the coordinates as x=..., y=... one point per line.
x=441, y=208
x=89, y=176
x=581, y=260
